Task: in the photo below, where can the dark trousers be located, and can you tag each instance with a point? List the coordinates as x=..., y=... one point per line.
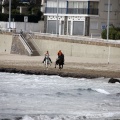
x=49, y=59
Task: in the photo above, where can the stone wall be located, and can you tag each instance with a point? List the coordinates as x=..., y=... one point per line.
x=99, y=52
x=5, y=43
x=87, y=50
x=80, y=41
x=17, y=47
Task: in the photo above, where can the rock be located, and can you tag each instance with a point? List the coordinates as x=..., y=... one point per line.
x=113, y=80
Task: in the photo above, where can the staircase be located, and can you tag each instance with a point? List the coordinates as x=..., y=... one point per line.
x=24, y=45
x=31, y=44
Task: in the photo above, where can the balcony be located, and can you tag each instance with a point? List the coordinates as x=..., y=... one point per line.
x=77, y=11
x=91, y=11
x=54, y=10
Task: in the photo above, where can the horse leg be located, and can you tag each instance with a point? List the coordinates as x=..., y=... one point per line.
x=55, y=64
x=60, y=67
x=46, y=63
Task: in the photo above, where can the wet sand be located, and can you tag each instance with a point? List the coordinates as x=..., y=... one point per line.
x=73, y=67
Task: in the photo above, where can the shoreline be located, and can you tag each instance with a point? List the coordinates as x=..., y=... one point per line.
x=33, y=65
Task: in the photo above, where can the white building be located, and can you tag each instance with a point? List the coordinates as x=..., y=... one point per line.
x=80, y=17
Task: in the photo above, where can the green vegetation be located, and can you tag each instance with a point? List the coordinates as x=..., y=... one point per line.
x=33, y=11
x=114, y=33
x=20, y=18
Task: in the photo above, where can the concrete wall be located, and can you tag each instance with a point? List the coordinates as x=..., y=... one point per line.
x=35, y=27
x=5, y=43
x=87, y=52
x=17, y=46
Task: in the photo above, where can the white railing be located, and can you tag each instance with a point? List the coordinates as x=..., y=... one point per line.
x=26, y=45
x=84, y=38
x=34, y=41
x=5, y=30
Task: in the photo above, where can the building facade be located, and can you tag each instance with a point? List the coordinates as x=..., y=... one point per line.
x=80, y=17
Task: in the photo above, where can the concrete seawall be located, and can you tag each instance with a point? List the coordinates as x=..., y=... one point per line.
x=89, y=52
x=86, y=51
x=5, y=43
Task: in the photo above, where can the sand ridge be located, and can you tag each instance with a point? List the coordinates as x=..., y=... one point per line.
x=72, y=68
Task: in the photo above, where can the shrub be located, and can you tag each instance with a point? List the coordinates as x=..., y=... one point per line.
x=104, y=34
x=117, y=37
x=114, y=33
x=20, y=18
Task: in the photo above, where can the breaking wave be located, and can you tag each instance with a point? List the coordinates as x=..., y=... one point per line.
x=94, y=90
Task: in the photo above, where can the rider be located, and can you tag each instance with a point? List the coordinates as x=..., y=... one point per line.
x=60, y=54
x=47, y=54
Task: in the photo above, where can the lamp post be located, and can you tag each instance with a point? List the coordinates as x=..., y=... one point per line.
x=108, y=19
x=57, y=25
x=9, y=15
x=108, y=22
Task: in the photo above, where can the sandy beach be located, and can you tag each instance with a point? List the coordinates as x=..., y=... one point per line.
x=72, y=68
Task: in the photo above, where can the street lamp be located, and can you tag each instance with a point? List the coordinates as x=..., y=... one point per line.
x=108, y=22
x=9, y=15
x=108, y=19
x=57, y=25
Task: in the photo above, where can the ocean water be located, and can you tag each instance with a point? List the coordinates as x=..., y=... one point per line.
x=42, y=97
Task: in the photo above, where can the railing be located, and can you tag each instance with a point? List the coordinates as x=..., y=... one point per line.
x=54, y=10
x=25, y=43
x=5, y=30
x=34, y=41
x=77, y=11
x=84, y=38
x=91, y=11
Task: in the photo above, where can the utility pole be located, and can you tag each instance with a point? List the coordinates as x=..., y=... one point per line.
x=108, y=22
x=9, y=15
x=57, y=24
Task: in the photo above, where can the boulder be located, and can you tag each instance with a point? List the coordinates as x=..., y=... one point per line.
x=113, y=80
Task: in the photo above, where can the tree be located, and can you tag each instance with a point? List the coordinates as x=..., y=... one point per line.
x=32, y=5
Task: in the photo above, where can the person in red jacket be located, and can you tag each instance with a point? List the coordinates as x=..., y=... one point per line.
x=59, y=53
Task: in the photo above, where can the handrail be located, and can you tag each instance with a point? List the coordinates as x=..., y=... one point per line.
x=85, y=38
x=26, y=45
x=33, y=41
x=26, y=42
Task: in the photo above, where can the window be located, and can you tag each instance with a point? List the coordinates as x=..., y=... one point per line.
x=106, y=7
x=62, y=4
x=77, y=4
x=77, y=7
x=93, y=8
x=94, y=5
x=51, y=4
